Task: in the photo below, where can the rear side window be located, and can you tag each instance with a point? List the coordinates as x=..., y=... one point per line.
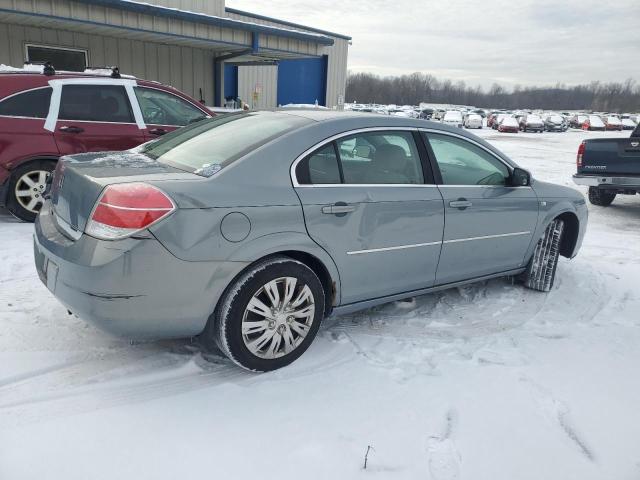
x=380, y=158
x=95, y=103
x=31, y=104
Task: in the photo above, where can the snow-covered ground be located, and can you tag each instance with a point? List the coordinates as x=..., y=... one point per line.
x=490, y=381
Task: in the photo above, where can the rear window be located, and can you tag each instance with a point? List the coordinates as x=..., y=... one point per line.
x=31, y=104
x=208, y=146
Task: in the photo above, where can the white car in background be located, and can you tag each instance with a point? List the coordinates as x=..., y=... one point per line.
x=628, y=124
x=453, y=118
x=473, y=120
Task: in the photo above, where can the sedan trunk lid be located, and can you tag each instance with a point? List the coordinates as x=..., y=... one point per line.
x=79, y=179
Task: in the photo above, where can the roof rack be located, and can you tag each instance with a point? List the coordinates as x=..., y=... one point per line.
x=47, y=67
x=113, y=71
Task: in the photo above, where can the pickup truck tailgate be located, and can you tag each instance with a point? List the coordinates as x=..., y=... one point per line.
x=618, y=156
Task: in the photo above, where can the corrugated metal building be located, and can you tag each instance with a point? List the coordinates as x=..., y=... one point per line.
x=198, y=46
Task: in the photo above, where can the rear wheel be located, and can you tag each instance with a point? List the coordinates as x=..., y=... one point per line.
x=269, y=316
x=541, y=271
x=600, y=198
x=26, y=187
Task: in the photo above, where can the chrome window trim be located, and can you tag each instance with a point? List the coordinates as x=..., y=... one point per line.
x=95, y=121
x=443, y=242
x=26, y=91
x=292, y=169
x=388, y=249
x=486, y=237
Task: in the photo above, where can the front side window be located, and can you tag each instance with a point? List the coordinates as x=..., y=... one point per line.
x=31, y=104
x=210, y=145
x=380, y=158
x=463, y=163
x=162, y=108
x=95, y=103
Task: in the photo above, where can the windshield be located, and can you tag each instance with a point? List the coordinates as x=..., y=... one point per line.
x=534, y=119
x=555, y=118
x=208, y=146
x=595, y=121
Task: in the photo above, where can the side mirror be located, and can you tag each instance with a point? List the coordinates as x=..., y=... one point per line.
x=520, y=178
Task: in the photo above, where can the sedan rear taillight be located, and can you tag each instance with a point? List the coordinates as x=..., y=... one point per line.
x=580, y=154
x=126, y=208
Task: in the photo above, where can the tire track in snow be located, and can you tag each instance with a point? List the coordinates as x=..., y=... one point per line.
x=194, y=373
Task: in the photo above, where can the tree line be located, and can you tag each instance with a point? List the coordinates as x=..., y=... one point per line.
x=420, y=87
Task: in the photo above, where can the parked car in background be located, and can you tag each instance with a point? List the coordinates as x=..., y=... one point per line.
x=473, y=120
x=44, y=116
x=612, y=122
x=531, y=123
x=577, y=121
x=628, y=124
x=218, y=229
x=555, y=123
x=594, y=123
x=609, y=167
x=453, y=118
x=498, y=119
x=509, y=125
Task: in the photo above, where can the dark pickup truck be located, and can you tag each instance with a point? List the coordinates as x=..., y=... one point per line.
x=609, y=166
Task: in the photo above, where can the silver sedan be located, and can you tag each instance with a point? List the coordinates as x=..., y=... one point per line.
x=248, y=230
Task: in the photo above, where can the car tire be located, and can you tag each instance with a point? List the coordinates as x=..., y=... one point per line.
x=600, y=197
x=26, y=187
x=292, y=299
x=541, y=270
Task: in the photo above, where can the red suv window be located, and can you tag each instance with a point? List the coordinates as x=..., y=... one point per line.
x=95, y=103
x=30, y=104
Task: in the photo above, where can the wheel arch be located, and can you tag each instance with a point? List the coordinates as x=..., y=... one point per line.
x=37, y=158
x=570, y=234
x=296, y=246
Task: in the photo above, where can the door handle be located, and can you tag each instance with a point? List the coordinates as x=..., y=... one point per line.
x=461, y=203
x=339, y=208
x=71, y=129
x=158, y=131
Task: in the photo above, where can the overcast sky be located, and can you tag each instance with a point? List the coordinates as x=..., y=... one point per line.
x=537, y=42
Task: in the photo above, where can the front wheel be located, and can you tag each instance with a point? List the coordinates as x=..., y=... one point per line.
x=269, y=316
x=541, y=271
x=26, y=187
x=600, y=198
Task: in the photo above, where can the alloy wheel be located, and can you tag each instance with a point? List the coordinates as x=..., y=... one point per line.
x=278, y=317
x=30, y=188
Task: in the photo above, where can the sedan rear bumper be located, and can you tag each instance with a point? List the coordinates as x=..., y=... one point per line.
x=607, y=181
x=132, y=288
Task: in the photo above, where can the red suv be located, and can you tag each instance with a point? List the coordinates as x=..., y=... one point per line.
x=46, y=115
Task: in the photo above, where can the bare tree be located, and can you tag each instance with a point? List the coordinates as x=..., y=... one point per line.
x=419, y=87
